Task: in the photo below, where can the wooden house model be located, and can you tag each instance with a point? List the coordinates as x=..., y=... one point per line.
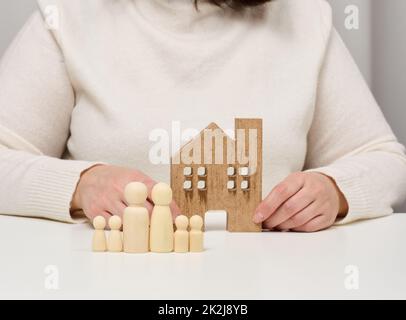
x=215, y=172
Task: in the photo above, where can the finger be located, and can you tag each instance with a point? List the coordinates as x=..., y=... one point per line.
x=301, y=218
x=114, y=205
x=118, y=208
x=316, y=224
x=148, y=181
x=282, y=192
x=291, y=207
x=149, y=207
x=94, y=209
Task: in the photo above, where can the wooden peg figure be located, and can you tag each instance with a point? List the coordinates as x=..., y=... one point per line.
x=196, y=234
x=136, y=219
x=161, y=233
x=99, y=237
x=115, y=242
x=181, y=234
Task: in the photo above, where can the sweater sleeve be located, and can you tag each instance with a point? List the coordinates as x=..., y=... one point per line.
x=36, y=102
x=350, y=140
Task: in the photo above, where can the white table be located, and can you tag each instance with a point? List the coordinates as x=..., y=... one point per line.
x=235, y=266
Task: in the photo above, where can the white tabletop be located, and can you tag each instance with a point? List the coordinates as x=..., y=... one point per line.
x=43, y=259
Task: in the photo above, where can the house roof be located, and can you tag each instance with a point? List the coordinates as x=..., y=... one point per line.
x=212, y=126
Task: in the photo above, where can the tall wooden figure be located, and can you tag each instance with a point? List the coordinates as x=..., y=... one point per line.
x=162, y=233
x=136, y=219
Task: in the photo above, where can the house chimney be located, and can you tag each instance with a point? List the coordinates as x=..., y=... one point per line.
x=248, y=134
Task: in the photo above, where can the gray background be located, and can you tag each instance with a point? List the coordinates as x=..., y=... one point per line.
x=379, y=47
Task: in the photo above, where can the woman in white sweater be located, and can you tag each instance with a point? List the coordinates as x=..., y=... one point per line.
x=85, y=83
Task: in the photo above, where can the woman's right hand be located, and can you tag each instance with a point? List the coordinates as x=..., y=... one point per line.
x=100, y=191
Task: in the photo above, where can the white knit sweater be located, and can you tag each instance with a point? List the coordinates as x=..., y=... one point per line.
x=94, y=82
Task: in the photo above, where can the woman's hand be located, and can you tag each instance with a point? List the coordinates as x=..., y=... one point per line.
x=305, y=202
x=100, y=191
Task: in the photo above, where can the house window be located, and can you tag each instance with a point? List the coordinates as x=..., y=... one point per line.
x=231, y=171
x=201, y=171
x=201, y=185
x=187, y=171
x=244, y=171
x=245, y=185
x=187, y=185
x=231, y=185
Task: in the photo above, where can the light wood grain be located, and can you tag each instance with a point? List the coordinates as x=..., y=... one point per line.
x=239, y=205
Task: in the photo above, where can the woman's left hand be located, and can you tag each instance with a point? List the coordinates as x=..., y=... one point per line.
x=304, y=201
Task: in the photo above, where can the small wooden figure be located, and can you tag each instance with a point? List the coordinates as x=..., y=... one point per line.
x=181, y=234
x=136, y=219
x=196, y=234
x=115, y=242
x=161, y=233
x=99, y=237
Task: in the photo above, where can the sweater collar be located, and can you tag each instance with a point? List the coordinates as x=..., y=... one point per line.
x=183, y=19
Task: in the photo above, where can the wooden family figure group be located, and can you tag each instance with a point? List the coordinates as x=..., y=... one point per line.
x=142, y=234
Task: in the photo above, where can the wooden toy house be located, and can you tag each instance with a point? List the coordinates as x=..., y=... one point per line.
x=216, y=172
